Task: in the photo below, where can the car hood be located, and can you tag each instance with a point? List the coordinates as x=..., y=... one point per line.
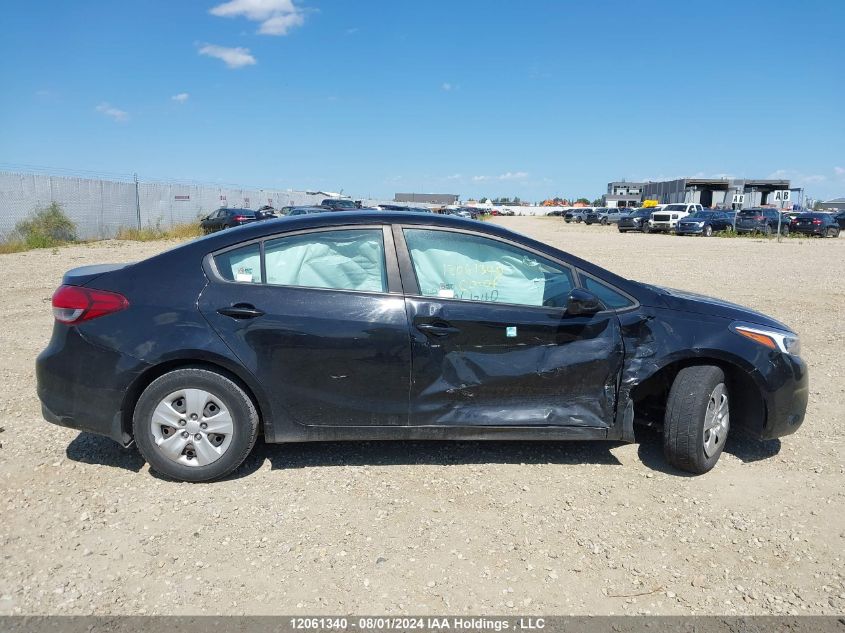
x=702, y=304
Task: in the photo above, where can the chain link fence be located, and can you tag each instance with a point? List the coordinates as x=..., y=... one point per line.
x=100, y=208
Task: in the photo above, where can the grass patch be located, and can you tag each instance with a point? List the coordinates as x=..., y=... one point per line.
x=48, y=227
x=153, y=232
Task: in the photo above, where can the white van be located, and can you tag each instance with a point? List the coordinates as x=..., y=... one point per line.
x=666, y=219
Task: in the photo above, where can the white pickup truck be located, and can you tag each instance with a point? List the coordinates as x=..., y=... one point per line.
x=666, y=219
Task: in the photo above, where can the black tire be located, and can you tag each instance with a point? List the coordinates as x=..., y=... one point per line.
x=604, y=221
x=708, y=231
x=578, y=220
x=683, y=424
x=243, y=413
x=767, y=230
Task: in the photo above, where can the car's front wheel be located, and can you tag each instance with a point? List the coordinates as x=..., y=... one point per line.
x=708, y=231
x=697, y=419
x=194, y=425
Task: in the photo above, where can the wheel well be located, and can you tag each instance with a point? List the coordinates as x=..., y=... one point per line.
x=142, y=382
x=748, y=410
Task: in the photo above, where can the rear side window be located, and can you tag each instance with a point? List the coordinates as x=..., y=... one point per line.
x=469, y=267
x=341, y=260
x=609, y=297
x=241, y=264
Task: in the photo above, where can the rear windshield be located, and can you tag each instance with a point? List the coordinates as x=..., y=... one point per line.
x=675, y=207
x=750, y=212
x=244, y=212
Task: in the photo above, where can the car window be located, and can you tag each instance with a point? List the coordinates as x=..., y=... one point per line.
x=471, y=267
x=342, y=260
x=609, y=297
x=240, y=264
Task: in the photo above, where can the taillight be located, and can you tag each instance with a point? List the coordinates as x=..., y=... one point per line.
x=817, y=221
x=75, y=304
x=758, y=217
x=239, y=218
x=794, y=221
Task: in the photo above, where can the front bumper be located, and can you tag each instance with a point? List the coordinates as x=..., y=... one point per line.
x=82, y=386
x=689, y=230
x=661, y=226
x=786, y=392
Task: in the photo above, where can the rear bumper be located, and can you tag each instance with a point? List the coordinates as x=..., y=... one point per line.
x=82, y=386
x=803, y=230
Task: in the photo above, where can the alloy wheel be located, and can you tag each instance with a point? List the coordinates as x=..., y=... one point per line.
x=717, y=420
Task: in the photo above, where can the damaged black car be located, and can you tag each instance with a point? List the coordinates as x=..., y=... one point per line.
x=398, y=326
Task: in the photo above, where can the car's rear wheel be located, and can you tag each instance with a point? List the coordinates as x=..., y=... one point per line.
x=767, y=230
x=578, y=220
x=708, y=231
x=784, y=230
x=194, y=425
x=604, y=221
x=697, y=419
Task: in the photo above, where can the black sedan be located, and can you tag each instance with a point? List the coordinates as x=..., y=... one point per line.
x=705, y=223
x=227, y=218
x=820, y=224
x=398, y=326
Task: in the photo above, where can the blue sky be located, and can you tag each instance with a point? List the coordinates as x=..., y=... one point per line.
x=531, y=98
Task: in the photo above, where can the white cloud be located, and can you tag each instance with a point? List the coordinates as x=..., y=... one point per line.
x=839, y=171
x=454, y=177
x=113, y=113
x=182, y=97
x=277, y=17
x=232, y=57
x=447, y=87
x=513, y=175
x=480, y=178
x=797, y=178
x=352, y=31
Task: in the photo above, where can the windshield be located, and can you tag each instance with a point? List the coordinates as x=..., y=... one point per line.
x=675, y=207
x=702, y=215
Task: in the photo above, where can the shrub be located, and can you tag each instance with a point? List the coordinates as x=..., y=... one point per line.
x=46, y=228
x=49, y=226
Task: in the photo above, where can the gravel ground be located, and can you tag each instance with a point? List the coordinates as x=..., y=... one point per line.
x=421, y=527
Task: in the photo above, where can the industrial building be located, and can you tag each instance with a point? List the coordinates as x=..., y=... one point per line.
x=709, y=192
x=832, y=205
x=623, y=194
x=441, y=199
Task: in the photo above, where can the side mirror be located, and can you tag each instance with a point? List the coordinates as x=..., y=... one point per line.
x=582, y=302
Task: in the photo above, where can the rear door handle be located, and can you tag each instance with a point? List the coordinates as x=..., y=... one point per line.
x=437, y=328
x=241, y=311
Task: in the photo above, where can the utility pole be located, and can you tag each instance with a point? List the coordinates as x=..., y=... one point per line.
x=137, y=201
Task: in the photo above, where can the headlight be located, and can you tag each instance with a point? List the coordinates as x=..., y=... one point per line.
x=786, y=342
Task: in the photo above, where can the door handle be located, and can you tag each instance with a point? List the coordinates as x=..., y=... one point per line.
x=241, y=311
x=438, y=328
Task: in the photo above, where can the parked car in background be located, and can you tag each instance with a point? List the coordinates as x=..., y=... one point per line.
x=313, y=329
x=706, y=223
x=576, y=214
x=839, y=216
x=285, y=210
x=605, y=215
x=307, y=210
x=266, y=212
x=402, y=207
x=226, y=218
x=764, y=221
x=821, y=224
x=666, y=219
x=339, y=204
x=635, y=220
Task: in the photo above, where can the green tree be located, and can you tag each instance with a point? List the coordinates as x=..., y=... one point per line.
x=583, y=201
x=597, y=202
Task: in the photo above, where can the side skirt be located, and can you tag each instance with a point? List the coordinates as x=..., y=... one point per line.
x=366, y=433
